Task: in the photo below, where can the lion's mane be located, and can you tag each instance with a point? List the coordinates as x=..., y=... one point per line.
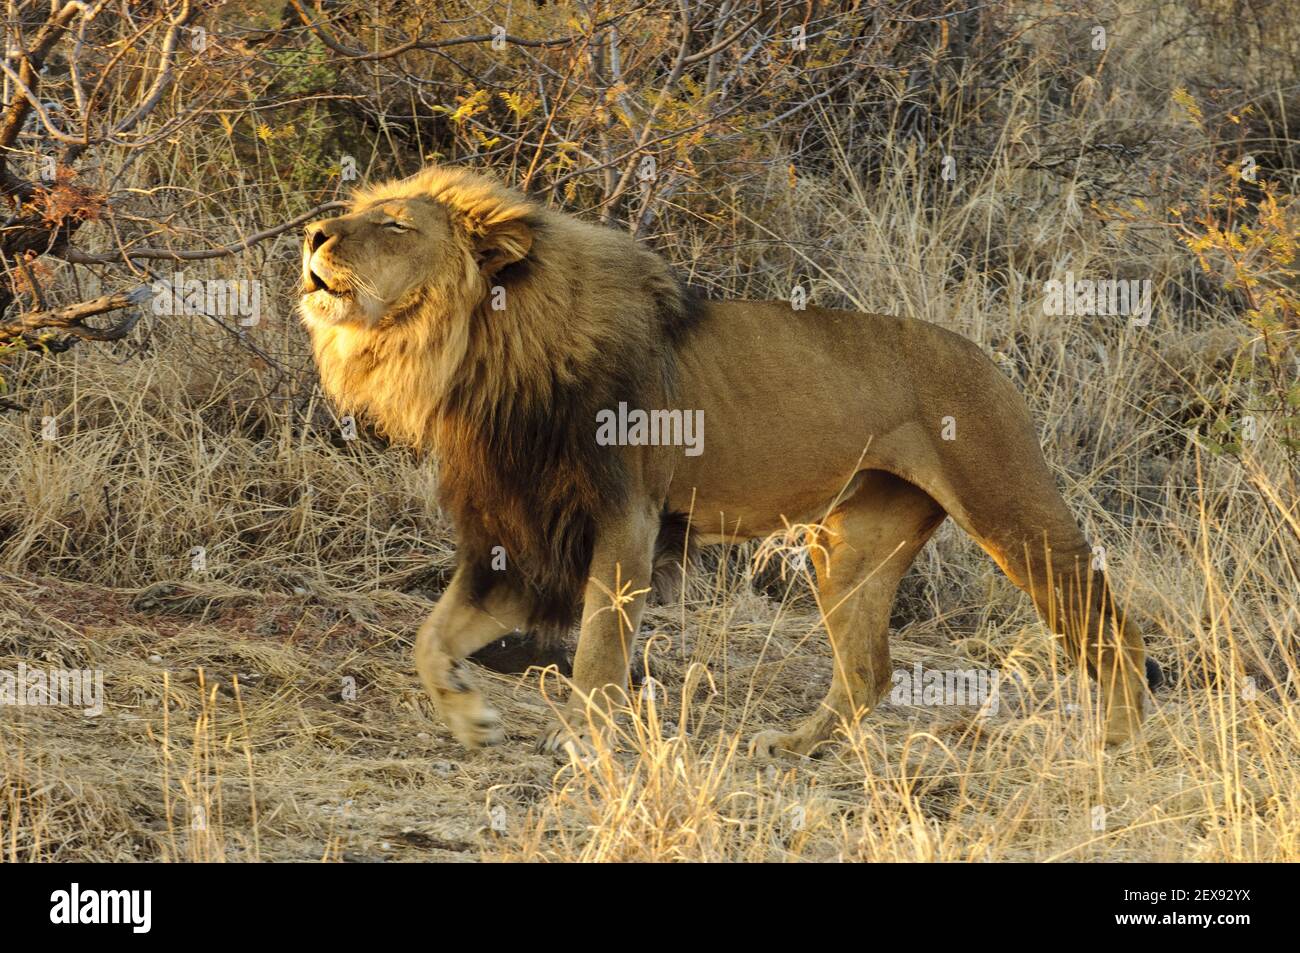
x=507, y=399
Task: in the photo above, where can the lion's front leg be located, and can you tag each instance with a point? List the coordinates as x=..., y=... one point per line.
x=454, y=629
x=615, y=595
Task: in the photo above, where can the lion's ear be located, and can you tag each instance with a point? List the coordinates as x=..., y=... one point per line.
x=502, y=243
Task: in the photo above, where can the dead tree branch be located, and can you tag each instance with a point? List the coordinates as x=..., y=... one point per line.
x=35, y=326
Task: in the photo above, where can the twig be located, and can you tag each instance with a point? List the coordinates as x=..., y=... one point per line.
x=78, y=257
x=423, y=43
x=70, y=318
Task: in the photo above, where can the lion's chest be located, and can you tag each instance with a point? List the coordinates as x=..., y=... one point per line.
x=384, y=376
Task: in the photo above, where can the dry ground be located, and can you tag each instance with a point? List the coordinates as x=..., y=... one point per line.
x=272, y=753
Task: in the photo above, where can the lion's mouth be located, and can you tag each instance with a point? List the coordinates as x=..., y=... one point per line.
x=313, y=281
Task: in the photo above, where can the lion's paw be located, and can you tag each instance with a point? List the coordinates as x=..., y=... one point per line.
x=565, y=743
x=1123, y=724
x=778, y=744
x=473, y=722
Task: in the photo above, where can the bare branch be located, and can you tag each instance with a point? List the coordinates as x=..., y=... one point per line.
x=78, y=257
x=727, y=41
x=70, y=319
x=422, y=43
x=164, y=77
x=29, y=73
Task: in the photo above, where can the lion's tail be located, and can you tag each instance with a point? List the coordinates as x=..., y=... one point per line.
x=1025, y=526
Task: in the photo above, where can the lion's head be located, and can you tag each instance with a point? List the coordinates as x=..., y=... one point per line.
x=431, y=241
x=447, y=298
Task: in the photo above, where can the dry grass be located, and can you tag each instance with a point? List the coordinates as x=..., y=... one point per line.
x=226, y=689
x=264, y=706
x=229, y=735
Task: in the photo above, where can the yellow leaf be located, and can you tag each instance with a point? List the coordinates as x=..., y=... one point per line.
x=1184, y=99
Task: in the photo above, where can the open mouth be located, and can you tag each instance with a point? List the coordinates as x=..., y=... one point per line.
x=313, y=282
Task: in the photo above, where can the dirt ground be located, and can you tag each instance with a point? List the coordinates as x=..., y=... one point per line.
x=243, y=725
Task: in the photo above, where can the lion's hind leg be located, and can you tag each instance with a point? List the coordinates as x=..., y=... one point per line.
x=993, y=481
x=865, y=548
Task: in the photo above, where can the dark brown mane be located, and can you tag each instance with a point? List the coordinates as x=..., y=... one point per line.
x=522, y=470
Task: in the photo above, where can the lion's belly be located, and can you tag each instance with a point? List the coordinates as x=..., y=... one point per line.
x=794, y=406
x=757, y=499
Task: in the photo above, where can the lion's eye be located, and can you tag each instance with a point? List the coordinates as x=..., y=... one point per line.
x=397, y=227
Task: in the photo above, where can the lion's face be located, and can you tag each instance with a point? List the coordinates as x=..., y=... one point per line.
x=358, y=267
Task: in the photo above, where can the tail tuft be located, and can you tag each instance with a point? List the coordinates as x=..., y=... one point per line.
x=1155, y=675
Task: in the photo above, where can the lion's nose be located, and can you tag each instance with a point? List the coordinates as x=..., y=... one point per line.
x=316, y=236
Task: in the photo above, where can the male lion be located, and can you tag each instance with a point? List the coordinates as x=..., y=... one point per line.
x=467, y=320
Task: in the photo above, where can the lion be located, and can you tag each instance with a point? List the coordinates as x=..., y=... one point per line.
x=553, y=368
